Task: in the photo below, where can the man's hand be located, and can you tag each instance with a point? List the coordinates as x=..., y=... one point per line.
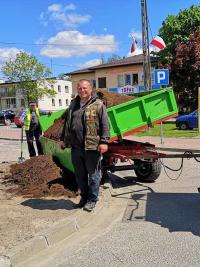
x=62, y=145
x=102, y=148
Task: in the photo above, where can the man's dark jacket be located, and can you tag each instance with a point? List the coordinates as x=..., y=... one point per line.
x=86, y=127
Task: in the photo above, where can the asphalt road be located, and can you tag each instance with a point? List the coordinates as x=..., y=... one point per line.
x=160, y=225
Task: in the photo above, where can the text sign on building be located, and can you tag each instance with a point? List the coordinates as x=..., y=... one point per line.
x=161, y=77
x=128, y=89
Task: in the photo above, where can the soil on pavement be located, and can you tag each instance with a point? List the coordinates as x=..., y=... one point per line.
x=22, y=218
x=40, y=177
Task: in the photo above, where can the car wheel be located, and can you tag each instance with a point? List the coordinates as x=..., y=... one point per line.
x=183, y=126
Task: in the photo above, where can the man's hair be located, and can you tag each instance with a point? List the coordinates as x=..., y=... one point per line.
x=32, y=103
x=84, y=80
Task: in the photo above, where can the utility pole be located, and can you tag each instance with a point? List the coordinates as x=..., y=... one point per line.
x=51, y=62
x=145, y=45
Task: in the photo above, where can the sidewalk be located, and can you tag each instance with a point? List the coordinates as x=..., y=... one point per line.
x=170, y=144
x=10, y=133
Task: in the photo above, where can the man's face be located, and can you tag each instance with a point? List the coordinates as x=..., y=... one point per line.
x=33, y=107
x=84, y=90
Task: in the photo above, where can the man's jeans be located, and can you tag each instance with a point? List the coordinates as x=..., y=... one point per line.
x=29, y=137
x=87, y=172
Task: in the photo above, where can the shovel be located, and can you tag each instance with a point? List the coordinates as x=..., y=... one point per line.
x=21, y=158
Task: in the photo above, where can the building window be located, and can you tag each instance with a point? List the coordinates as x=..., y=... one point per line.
x=135, y=79
x=22, y=102
x=59, y=88
x=66, y=89
x=67, y=102
x=94, y=83
x=52, y=86
x=142, y=77
x=127, y=79
x=53, y=102
x=60, y=102
x=102, y=82
x=10, y=103
x=120, y=80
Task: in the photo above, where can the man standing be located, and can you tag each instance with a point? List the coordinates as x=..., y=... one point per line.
x=86, y=131
x=32, y=128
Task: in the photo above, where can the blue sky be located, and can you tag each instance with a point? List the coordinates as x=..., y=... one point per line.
x=83, y=30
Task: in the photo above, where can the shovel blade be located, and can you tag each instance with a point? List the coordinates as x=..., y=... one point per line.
x=21, y=159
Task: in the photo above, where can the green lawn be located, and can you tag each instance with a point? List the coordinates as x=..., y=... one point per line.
x=169, y=130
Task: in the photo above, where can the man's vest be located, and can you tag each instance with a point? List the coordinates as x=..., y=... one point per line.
x=91, y=119
x=91, y=116
x=27, y=121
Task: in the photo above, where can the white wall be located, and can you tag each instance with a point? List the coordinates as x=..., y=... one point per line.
x=46, y=103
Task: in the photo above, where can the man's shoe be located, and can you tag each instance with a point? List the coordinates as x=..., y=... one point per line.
x=89, y=206
x=81, y=203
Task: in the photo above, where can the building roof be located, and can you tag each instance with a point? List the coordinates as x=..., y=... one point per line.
x=10, y=83
x=133, y=60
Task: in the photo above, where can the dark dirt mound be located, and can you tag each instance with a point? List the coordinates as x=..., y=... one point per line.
x=40, y=177
x=54, y=132
x=110, y=99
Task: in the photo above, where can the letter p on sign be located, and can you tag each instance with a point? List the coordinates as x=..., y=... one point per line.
x=161, y=77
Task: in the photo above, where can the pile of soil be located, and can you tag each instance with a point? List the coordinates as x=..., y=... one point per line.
x=54, y=132
x=40, y=177
x=110, y=99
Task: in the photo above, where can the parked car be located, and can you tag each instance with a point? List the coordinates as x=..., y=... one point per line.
x=7, y=117
x=189, y=121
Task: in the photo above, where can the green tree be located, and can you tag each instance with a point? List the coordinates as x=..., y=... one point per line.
x=178, y=29
x=31, y=77
x=185, y=70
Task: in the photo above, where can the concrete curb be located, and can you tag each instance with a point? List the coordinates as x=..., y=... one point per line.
x=57, y=233
x=11, y=139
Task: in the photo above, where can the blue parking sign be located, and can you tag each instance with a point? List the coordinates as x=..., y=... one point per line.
x=161, y=76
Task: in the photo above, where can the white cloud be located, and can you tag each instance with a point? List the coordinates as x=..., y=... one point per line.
x=62, y=15
x=70, y=7
x=136, y=34
x=91, y=63
x=139, y=51
x=7, y=53
x=54, y=8
x=74, y=43
x=69, y=20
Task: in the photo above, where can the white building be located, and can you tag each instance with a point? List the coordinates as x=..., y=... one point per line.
x=11, y=98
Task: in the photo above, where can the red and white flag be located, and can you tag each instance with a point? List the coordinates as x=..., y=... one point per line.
x=158, y=42
x=134, y=45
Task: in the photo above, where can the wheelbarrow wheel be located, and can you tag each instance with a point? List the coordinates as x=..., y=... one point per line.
x=147, y=171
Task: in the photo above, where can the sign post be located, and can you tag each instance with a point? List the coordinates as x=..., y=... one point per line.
x=161, y=77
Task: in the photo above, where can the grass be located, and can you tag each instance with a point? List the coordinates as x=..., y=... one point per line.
x=169, y=130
